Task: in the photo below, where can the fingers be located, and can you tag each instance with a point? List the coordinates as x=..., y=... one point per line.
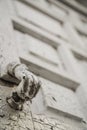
x=33, y=85
x=33, y=80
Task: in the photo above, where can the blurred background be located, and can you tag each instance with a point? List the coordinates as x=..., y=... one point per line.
x=50, y=37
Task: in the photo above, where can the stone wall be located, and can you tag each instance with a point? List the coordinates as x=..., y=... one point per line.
x=50, y=38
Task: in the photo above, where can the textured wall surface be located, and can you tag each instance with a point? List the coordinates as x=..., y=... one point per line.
x=50, y=37
x=20, y=120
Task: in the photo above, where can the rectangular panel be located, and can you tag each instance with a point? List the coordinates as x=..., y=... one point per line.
x=26, y=27
x=37, y=49
x=82, y=66
x=82, y=90
x=77, y=27
x=74, y=38
x=42, y=50
x=84, y=39
x=61, y=99
x=40, y=19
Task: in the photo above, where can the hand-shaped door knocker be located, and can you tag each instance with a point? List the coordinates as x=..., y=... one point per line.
x=26, y=90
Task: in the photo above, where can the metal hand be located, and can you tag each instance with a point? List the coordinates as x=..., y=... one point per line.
x=27, y=88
